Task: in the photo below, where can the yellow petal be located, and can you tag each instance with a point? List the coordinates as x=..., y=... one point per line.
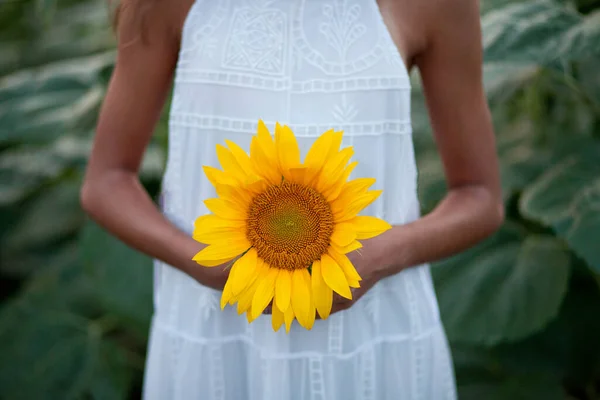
x=238, y=196
x=219, y=237
x=334, y=169
x=229, y=164
x=240, y=157
x=266, y=165
x=216, y=176
x=227, y=295
x=334, y=191
x=242, y=271
x=256, y=185
x=344, y=262
x=355, y=245
x=217, y=254
x=225, y=209
x=264, y=292
x=311, y=311
x=288, y=317
x=298, y=175
x=356, y=206
x=276, y=317
x=301, y=296
x=367, y=227
x=353, y=283
x=354, y=188
x=213, y=223
x=249, y=317
x=334, y=276
x=343, y=234
x=288, y=151
x=322, y=294
x=265, y=140
x=211, y=229
x=312, y=315
x=335, y=144
x=318, y=152
x=245, y=299
x=317, y=155
x=283, y=289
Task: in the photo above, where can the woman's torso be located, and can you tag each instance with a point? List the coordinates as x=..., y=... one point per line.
x=313, y=65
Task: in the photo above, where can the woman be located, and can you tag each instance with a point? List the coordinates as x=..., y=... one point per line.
x=313, y=65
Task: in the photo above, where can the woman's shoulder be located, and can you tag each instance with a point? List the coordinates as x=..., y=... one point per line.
x=414, y=25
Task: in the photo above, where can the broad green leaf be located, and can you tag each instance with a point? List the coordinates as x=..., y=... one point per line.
x=22, y=171
x=513, y=388
x=567, y=197
x=568, y=347
x=504, y=290
x=53, y=354
x=122, y=277
x=42, y=104
x=527, y=32
x=581, y=227
x=502, y=80
x=44, y=223
x=582, y=40
x=524, y=157
x=488, y=5
x=432, y=182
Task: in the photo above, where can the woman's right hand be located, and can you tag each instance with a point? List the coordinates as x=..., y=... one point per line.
x=212, y=277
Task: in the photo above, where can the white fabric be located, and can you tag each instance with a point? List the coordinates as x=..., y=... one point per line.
x=314, y=65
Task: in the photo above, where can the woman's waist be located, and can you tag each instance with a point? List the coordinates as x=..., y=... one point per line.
x=402, y=305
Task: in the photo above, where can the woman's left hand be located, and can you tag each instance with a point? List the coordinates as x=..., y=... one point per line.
x=369, y=266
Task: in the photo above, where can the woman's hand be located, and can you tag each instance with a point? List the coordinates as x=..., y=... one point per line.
x=212, y=277
x=370, y=266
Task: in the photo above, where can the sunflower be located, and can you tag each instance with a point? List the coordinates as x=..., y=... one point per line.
x=286, y=226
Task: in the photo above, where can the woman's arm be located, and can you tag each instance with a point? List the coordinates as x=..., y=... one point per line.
x=451, y=71
x=112, y=194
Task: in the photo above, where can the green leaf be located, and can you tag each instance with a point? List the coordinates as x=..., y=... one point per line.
x=581, y=227
x=582, y=40
x=526, y=32
x=122, y=277
x=432, y=181
x=53, y=354
x=44, y=223
x=503, y=80
x=567, y=197
x=568, y=348
x=503, y=290
x=43, y=104
x=513, y=388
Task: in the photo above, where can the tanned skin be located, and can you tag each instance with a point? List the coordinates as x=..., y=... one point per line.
x=442, y=38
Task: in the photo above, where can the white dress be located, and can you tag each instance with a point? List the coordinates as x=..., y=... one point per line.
x=313, y=65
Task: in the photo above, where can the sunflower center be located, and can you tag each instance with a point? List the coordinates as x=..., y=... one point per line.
x=290, y=225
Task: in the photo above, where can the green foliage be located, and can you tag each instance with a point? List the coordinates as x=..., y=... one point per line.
x=76, y=302
x=520, y=309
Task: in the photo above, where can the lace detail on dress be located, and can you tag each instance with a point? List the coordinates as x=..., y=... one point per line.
x=341, y=26
x=317, y=384
x=201, y=41
x=365, y=128
x=313, y=65
x=256, y=39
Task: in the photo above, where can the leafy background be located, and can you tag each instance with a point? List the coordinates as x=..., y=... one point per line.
x=521, y=309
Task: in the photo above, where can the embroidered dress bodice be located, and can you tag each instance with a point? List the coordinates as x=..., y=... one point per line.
x=313, y=65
